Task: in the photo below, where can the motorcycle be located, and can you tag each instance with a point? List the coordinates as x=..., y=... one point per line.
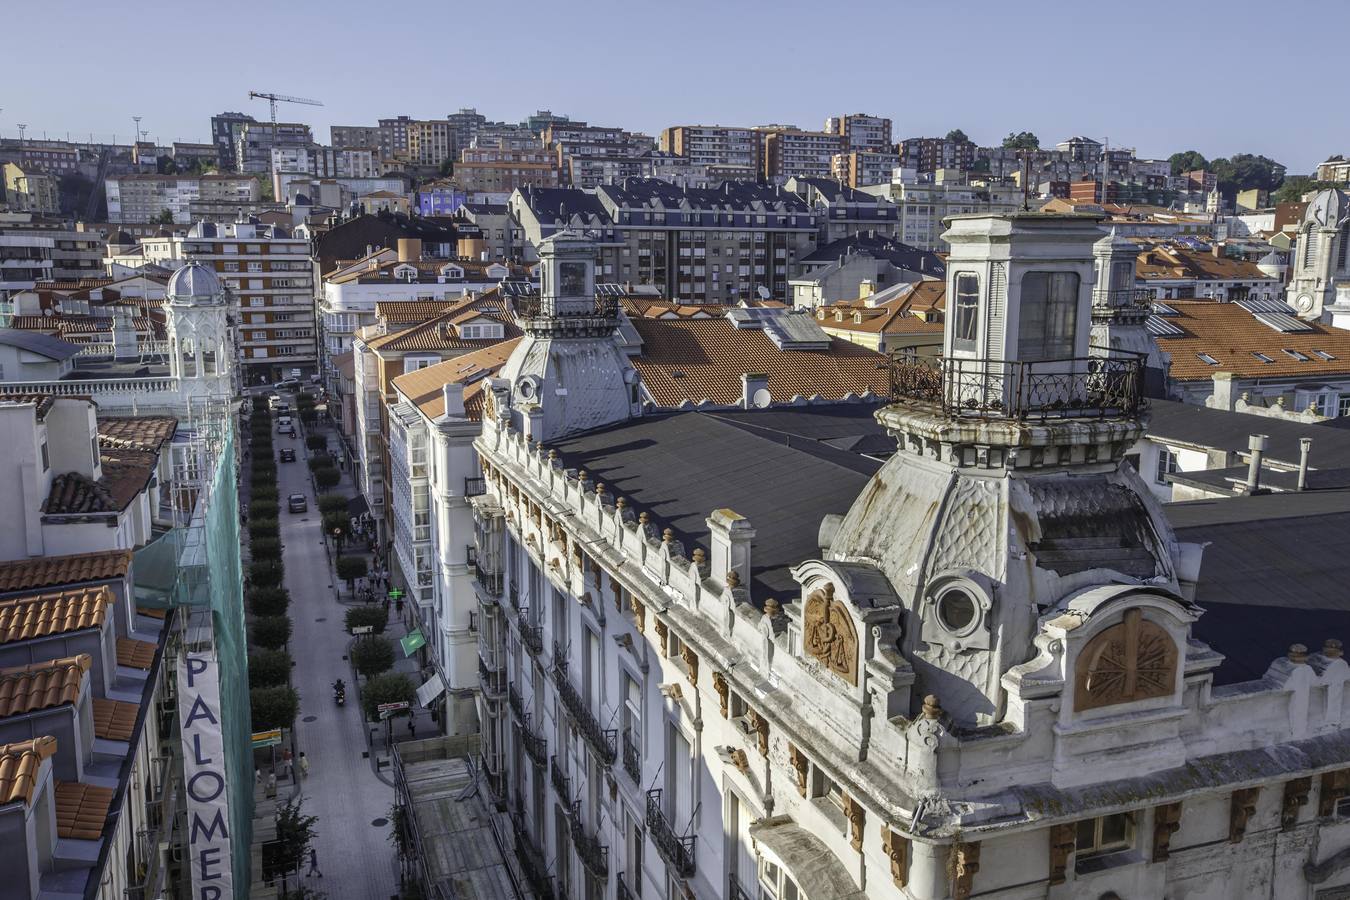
x=340, y=693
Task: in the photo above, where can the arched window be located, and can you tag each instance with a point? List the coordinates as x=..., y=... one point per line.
x=1133, y=660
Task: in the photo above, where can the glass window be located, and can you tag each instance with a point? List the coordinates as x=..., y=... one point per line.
x=1104, y=835
x=1167, y=464
x=1049, y=316
x=965, y=330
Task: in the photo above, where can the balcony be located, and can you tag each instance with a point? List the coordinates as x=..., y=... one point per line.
x=536, y=745
x=594, y=855
x=1080, y=387
x=561, y=783
x=1136, y=298
x=625, y=892
x=603, y=741
x=517, y=705
x=632, y=757
x=532, y=864
x=677, y=851
x=532, y=307
x=493, y=684
x=532, y=636
x=735, y=891
x=489, y=581
x=475, y=486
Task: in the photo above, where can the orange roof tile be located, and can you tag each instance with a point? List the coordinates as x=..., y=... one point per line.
x=25, y=689
x=410, y=312
x=115, y=720
x=423, y=386
x=438, y=333
x=51, y=571
x=26, y=618
x=20, y=764
x=914, y=312
x=1230, y=335
x=135, y=654
x=136, y=432
x=693, y=360
x=1163, y=262
x=81, y=810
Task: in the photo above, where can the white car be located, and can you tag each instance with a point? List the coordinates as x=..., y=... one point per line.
x=273, y=400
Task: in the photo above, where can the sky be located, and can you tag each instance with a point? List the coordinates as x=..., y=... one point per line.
x=1157, y=76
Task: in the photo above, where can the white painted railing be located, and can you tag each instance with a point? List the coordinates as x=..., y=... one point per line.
x=93, y=387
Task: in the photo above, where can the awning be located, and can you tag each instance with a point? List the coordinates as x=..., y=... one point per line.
x=357, y=506
x=413, y=641
x=804, y=857
x=430, y=690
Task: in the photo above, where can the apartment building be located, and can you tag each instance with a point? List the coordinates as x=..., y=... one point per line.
x=465, y=126
x=590, y=155
x=270, y=279
x=33, y=249
x=143, y=198
x=502, y=169
x=862, y=132
x=925, y=204
x=28, y=190
x=256, y=140
x=842, y=212
x=53, y=157
x=859, y=168
x=928, y=154
x=715, y=145
x=225, y=130
x=430, y=142
x=706, y=245
x=788, y=152
x=354, y=136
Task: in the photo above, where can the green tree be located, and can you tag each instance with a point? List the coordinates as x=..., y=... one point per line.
x=267, y=493
x=350, y=568
x=273, y=707
x=319, y=461
x=1245, y=170
x=268, y=600
x=372, y=615
x=262, y=528
x=372, y=655
x=270, y=632
x=336, y=522
x=164, y=218
x=1187, y=161
x=265, y=548
x=327, y=478
x=1022, y=140
x=957, y=136
x=1295, y=186
x=265, y=571
x=263, y=509
x=268, y=668
x=330, y=503
x=447, y=167
x=391, y=687
x=294, y=835
x=316, y=441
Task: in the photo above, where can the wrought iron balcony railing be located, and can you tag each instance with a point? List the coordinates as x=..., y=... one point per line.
x=513, y=593
x=603, y=741
x=532, y=636
x=1080, y=387
x=594, y=855
x=513, y=700
x=632, y=757
x=734, y=889
x=536, y=745
x=625, y=892
x=532, y=863
x=677, y=850
x=475, y=486
x=1139, y=298
x=561, y=783
x=492, y=683
x=532, y=307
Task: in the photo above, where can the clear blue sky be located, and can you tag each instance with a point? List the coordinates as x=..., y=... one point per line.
x=1159, y=76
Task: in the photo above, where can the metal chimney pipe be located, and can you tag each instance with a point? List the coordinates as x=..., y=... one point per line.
x=1257, y=444
x=1304, y=446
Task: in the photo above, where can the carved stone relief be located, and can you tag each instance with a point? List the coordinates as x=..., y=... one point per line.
x=829, y=634
x=1166, y=821
x=1134, y=660
x=897, y=851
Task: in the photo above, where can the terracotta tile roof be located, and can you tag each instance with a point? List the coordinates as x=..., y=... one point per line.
x=81, y=810
x=690, y=360
x=438, y=333
x=423, y=386
x=51, y=571
x=20, y=764
x=43, y=402
x=916, y=311
x=151, y=612
x=115, y=720
x=26, y=618
x=1167, y=262
x=126, y=473
x=136, y=432
x=135, y=654
x=410, y=312
x=641, y=307
x=25, y=689
x=1230, y=335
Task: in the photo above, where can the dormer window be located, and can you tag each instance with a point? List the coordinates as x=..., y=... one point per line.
x=967, y=322
x=452, y=271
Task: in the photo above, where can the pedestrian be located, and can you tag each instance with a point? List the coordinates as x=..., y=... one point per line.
x=257, y=776
x=286, y=763
x=412, y=727
x=313, y=863
x=304, y=765
x=271, y=783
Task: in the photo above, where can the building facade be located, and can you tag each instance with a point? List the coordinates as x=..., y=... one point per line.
x=139, y=199
x=862, y=132
x=714, y=145
x=789, y=152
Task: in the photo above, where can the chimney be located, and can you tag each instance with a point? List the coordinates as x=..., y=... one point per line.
x=866, y=289
x=1304, y=447
x=1223, y=398
x=453, y=392
x=1257, y=444
x=730, y=535
x=409, y=250
x=755, y=391
x=1217, y=249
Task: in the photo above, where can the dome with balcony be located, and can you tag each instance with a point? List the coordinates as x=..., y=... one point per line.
x=195, y=285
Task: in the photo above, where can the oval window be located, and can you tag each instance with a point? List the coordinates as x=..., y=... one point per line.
x=956, y=611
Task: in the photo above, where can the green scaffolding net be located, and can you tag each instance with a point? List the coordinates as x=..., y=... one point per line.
x=196, y=568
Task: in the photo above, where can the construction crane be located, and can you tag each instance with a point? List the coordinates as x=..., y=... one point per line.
x=273, y=100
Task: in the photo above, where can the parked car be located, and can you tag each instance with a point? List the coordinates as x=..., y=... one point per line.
x=287, y=454
x=285, y=426
x=297, y=503
x=283, y=409
x=273, y=401
x=289, y=384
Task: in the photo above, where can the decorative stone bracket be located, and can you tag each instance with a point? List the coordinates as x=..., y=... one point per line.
x=1166, y=821
x=1243, y=807
x=897, y=851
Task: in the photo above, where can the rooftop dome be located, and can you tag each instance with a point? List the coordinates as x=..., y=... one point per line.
x=1328, y=208
x=122, y=239
x=194, y=285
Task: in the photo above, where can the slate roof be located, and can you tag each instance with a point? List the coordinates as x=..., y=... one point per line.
x=20, y=764
x=36, y=342
x=681, y=466
x=136, y=432
x=1230, y=334
x=26, y=618
x=878, y=246
x=54, y=571
x=1200, y=426
x=25, y=689
x=692, y=360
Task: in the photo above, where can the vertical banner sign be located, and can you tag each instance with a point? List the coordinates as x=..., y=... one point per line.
x=208, y=815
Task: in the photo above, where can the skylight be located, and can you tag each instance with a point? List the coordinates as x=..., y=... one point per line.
x=1261, y=356
x=1301, y=357
x=1322, y=354
x=1207, y=359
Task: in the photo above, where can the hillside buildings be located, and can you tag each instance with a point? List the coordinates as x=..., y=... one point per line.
x=29, y=190
x=715, y=145
x=139, y=199
x=225, y=130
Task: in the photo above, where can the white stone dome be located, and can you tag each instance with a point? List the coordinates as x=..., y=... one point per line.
x=194, y=285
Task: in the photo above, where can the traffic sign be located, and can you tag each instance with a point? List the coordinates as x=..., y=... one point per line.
x=388, y=709
x=362, y=629
x=267, y=738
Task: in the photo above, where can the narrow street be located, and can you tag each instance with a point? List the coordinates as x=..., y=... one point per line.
x=342, y=789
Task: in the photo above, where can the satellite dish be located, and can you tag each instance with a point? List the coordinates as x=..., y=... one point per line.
x=764, y=293
x=762, y=398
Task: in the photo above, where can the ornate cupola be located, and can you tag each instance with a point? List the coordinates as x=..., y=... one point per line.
x=1009, y=489
x=1120, y=310
x=568, y=374
x=1321, y=258
x=201, y=346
